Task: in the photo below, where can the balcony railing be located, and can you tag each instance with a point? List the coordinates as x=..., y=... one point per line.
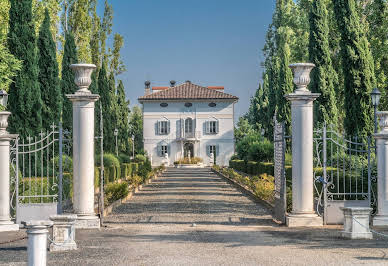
x=190, y=135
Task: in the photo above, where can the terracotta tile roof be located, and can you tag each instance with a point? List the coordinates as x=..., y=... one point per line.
x=187, y=91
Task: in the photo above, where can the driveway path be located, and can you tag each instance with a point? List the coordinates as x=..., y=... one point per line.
x=194, y=217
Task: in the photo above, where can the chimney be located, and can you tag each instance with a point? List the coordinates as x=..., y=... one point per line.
x=188, y=81
x=147, y=90
x=172, y=83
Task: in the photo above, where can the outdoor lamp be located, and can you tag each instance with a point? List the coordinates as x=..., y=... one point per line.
x=133, y=137
x=375, y=95
x=3, y=98
x=116, y=132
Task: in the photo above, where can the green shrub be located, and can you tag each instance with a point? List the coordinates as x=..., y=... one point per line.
x=139, y=158
x=123, y=158
x=116, y=191
x=259, y=168
x=238, y=165
x=145, y=169
x=134, y=168
x=243, y=145
x=260, y=151
x=135, y=180
x=67, y=163
x=112, y=169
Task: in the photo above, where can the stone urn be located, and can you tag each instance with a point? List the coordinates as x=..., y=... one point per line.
x=4, y=122
x=82, y=79
x=301, y=76
x=383, y=121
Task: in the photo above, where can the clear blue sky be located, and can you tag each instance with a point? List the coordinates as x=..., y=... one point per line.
x=210, y=42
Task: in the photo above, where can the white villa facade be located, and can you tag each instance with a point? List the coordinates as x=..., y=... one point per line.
x=188, y=120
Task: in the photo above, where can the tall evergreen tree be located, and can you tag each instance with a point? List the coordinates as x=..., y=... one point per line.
x=104, y=88
x=67, y=83
x=136, y=128
x=48, y=75
x=358, y=70
x=323, y=77
x=123, y=123
x=25, y=98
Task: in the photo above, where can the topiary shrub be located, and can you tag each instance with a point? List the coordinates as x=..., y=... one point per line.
x=145, y=169
x=139, y=158
x=112, y=169
x=123, y=158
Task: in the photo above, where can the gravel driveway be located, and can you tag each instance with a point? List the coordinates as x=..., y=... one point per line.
x=194, y=217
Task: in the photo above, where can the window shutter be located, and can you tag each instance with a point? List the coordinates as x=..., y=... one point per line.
x=217, y=149
x=158, y=127
x=159, y=150
x=181, y=126
x=168, y=127
x=207, y=127
x=208, y=150
x=217, y=126
x=169, y=150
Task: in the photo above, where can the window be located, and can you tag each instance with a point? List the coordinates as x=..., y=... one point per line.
x=188, y=104
x=163, y=127
x=188, y=125
x=163, y=104
x=163, y=150
x=213, y=127
x=212, y=104
x=212, y=149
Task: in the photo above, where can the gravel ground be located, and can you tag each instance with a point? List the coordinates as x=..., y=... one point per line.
x=193, y=217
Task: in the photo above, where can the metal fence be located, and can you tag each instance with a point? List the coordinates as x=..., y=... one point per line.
x=40, y=174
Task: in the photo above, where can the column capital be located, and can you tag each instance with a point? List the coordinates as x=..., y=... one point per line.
x=83, y=97
x=302, y=97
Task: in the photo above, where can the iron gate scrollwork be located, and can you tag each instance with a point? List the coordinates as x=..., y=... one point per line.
x=344, y=173
x=40, y=174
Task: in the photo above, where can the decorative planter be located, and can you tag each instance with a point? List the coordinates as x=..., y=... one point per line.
x=301, y=76
x=4, y=122
x=82, y=79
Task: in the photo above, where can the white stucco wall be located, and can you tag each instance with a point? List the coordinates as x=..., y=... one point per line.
x=200, y=112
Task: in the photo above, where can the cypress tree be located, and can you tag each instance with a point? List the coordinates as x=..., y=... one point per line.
x=123, y=124
x=284, y=81
x=67, y=83
x=48, y=75
x=323, y=77
x=105, y=98
x=358, y=70
x=25, y=99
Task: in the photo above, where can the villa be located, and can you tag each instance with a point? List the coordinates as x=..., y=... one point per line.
x=188, y=120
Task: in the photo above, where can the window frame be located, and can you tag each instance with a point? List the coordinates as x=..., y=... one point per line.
x=213, y=127
x=163, y=130
x=163, y=150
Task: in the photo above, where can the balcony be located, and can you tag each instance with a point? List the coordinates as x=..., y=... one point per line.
x=196, y=135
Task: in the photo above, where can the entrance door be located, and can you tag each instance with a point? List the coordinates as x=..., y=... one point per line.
x=188, y=147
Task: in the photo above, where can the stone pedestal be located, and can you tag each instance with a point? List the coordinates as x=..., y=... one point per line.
x=303, y=213
x=381, y=218
x=356, y=223
x=37, y=242
x=83, y=147
x=5, y=219
x=63, y=232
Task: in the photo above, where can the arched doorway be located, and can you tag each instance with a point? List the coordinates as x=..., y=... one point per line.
x=188, y=146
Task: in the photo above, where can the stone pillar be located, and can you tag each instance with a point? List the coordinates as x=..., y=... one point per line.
x=5, y=219
x=356, y=223
x=63, y=232
x=37, y=242
x=83, y=147
x=303, y=213
x=381, y=218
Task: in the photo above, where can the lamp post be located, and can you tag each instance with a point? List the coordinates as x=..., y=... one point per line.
x=133, y=146
x=116, y=134
x=375, y=95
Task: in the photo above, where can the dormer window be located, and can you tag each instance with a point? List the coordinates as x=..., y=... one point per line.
x=188, y=104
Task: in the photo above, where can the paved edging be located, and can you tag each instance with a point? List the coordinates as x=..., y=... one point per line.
x=245, y=190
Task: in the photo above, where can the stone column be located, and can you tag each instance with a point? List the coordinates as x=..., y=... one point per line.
x=5, y=219
x=83, y=147
x=302, y=150
x=381, y=219
x=37, y=242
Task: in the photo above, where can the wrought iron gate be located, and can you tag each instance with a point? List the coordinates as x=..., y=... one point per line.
x=37, y=176
x=344, y=173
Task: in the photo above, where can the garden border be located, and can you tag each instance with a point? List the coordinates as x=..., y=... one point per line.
x=246, y=191
x=109, y=209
